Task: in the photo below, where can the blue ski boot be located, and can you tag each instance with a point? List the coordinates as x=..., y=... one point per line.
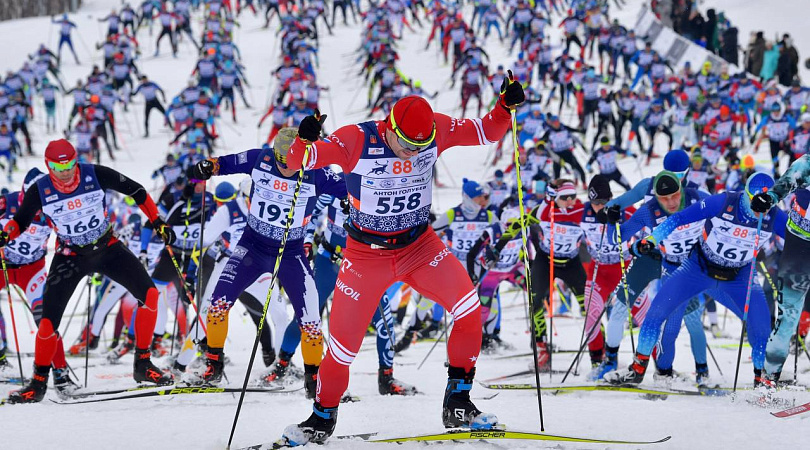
x=458, y=410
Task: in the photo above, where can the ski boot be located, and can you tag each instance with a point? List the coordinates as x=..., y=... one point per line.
x=310, y=380
x=317, y=428
x=279, y=372
x=609, y=364
x=405, y=341
x=664, y=377
x=702, y=378
x=158, y=349
x=543, y=358
x=268, y=356
x=767, y=381
x=389, y=385
x=120, y=351
x=77, y=349
x=632, y=375
x=488, y=345
x=430, y=332
x=145, y=371
x=6, y=368
x=63, y=383
x=178, y=370
x=35, y=390
x=457, y=408
x=496, y=338
x=215, y=366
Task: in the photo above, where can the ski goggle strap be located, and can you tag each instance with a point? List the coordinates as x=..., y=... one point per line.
x=61, y=167
x=407, y=143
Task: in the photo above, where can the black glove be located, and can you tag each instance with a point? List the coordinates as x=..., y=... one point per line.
x=642, y=247
x=144, y=259
x=344, y=206
x=751, y=141
x=310, y=127
x=491, y=256
x=190, y=291
x=602, y=216
x=166, y=233
x=511, y=91
x=614, y=214
x=762, y=202
x=4, y=238
x=203, y=170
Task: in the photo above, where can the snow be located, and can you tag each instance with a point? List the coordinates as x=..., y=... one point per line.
x=203, y=422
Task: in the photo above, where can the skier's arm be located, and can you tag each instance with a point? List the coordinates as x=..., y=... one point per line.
x=242, y=162
x=629, y=228
x=331, y=183
x=112, y=179
x=796, y=177
x=25, y=213
x=705, y=209
x=443, y=221
x=451, y=132
x=472, y=255
x=218, y=224
x=343, y=147
x=632, y=196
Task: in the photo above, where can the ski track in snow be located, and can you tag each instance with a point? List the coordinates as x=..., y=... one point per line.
x=203, y=422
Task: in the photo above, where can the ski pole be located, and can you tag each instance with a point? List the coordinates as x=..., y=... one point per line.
x=284, y=237
x=588, y=304
x=624, y=285
x=183, y=284
x=550, y=289
x=747, y=301
x=527, y=265
x=87, y=331
x=711, y=353
x=11, y=310
x=200, y=258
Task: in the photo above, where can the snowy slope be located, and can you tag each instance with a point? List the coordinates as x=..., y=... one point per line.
x=204, y=422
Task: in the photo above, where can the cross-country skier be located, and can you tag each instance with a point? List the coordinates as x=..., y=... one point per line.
x=85, y=244
x=390, y=240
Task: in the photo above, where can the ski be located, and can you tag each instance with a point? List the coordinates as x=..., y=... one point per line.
x=604, y=387
x=166, y=392
x=475, y=435
x=522, y=373
x=282, y=443
x=790, y=412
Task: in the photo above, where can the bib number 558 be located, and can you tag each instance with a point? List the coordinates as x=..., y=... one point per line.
x=395, y=205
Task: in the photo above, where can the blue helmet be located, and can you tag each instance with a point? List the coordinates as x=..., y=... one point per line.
x=499, y=174
x=224, y=192
x=758, y=182
x=676, y=161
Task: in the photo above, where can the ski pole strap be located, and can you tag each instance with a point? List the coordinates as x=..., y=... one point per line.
x=392, y=242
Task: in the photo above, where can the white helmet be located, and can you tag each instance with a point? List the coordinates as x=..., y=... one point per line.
x=528, y=143
x=806, y=117
x=510, y=215
x=245, y=185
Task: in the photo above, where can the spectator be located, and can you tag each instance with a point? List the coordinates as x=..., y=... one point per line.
x=770, y=60
x=710, y=29
x=694, y=26
x=793, y=55
x=756, y=51
x=728, y=51
x=784, y=69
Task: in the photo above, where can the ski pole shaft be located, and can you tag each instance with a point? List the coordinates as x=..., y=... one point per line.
x=87, y=331
x=624, y=285
x=259, y=328
x=588, y=304
x=183, y=284
x=11, y=311
x=527, y=265
x=751, y=271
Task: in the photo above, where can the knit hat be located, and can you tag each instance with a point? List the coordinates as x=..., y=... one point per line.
x=599, y=188
x=471, y=188
x=224, y=192
x=666, y=183
x=412, y=119
x=282, y=143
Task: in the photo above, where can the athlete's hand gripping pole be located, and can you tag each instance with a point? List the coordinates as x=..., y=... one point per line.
x=510, y=79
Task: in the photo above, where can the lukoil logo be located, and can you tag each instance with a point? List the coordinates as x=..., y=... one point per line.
x=438, y=258
x=347, y=290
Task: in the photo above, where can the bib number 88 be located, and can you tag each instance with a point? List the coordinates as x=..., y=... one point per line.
x=396, y=205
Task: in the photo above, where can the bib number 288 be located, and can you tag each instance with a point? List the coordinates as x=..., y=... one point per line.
x=396, y=205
